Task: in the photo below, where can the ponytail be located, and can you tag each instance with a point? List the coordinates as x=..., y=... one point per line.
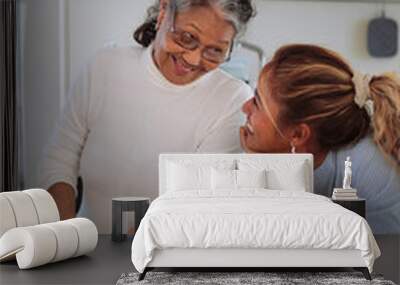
x=332, y=98
x=385, y=93
x=146, y=33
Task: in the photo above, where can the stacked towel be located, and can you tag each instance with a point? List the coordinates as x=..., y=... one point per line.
x=41, y=244
x=344, y=194
x=32, y=233
x=26, y=208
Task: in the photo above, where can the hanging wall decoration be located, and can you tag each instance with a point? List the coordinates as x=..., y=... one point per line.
x=382, y=37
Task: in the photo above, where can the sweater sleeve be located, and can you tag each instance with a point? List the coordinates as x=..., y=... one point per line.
x=223, y=136
x=61, y=156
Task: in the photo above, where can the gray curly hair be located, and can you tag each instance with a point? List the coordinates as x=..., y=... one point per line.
x=237, y=12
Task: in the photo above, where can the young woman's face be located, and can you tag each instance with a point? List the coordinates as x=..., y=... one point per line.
x=194, y=43
x=261, y=132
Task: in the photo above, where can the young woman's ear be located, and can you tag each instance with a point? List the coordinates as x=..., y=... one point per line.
x=300, y=137
x=162, y=13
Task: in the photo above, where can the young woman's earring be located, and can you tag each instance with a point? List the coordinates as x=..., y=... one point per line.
x=293, y=150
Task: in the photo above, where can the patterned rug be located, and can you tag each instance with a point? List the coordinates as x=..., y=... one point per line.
x=244, y=278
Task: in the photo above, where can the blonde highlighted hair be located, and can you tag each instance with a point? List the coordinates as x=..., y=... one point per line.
x=314, y=85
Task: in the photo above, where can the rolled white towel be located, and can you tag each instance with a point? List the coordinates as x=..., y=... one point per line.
x=33, y=246
x=26, y=208
x=23, y=208
x=37, y=245
x=87, y=233
x=45, y=205
x=7, y=218
x=67, y=240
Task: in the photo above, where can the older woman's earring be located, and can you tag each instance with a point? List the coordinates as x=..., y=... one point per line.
x=293, y=150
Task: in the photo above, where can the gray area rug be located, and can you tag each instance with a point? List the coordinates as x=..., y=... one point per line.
x=269, y=278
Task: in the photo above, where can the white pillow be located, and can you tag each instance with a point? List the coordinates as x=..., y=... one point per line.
x=223, y=179
x=281, y=175
x=188, y=174
x=237, y=179
x=181, y=177
x=292, y=179
x=251, y=178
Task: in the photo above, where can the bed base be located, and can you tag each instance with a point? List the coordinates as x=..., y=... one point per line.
x=363, y=270
x=242, y=259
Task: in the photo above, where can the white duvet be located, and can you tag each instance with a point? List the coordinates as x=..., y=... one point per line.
x=250, y=218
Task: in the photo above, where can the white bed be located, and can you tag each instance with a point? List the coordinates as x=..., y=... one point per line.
x=198, y=223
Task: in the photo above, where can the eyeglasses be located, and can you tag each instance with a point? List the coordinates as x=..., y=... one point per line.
x=190, y=42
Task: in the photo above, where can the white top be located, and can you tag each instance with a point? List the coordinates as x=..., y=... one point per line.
x=122, y=113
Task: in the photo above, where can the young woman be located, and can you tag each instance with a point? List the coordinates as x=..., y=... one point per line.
x=133, y=103
x=310, y=100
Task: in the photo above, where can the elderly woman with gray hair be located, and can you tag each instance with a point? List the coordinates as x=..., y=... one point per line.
x=133, y=103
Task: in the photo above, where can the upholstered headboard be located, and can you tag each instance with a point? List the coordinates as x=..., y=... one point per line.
x=235, y=160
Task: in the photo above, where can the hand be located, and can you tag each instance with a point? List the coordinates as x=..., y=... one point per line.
x=243, y=134
x=64, y=196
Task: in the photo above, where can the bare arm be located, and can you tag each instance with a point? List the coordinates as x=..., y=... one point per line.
x=64, y=196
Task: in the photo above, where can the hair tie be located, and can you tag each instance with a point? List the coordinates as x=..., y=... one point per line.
x=362, y=92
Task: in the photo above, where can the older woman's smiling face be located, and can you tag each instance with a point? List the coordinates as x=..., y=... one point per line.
x=204, y=30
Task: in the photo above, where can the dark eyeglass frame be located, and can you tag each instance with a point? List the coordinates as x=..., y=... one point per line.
x=178, y=34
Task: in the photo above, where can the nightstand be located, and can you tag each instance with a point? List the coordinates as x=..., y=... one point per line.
x=356, y=205
x=139, y=205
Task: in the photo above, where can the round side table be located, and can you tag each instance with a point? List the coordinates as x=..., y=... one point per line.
x=139, y=205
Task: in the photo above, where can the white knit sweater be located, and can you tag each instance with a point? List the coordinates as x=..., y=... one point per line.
x=122, y=113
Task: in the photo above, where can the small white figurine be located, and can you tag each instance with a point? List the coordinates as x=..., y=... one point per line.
x=347, y=174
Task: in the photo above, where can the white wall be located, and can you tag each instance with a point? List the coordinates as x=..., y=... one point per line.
x=95, y=23
x=340, y=26
x=90, y=24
